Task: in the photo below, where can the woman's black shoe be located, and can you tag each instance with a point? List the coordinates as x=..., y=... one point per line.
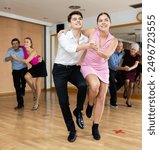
x=128, y=104
x=95, y=132
x=89, y=110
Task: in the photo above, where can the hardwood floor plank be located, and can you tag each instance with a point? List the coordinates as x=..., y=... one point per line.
x=44, y=129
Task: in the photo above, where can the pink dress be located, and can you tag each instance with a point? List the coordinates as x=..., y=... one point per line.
x=95, y=64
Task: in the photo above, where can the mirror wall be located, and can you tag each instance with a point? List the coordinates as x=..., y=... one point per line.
x=129, y=33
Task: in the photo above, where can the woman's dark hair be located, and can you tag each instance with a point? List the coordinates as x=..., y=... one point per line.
x=15, y=39
x=104, y=13
x=28, y=38
x=74, y=13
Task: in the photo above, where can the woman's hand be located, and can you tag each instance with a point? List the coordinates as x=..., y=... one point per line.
x=93, y=45
x=18, y=59
x=126, y=68
x=40, y=59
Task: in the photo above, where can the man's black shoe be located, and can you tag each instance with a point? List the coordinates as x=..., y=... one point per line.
x=72, y=136
x=79, y=118
x=18, y=107
x=114, y=106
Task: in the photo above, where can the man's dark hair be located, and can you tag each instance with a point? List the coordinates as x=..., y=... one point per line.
x=74, y=13
x=15, y=39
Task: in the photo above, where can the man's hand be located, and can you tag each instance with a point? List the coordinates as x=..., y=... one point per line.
x=93, y=45
x=14, y=57
x=126, y=68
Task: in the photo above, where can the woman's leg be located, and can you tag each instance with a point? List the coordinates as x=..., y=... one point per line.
x=93, y=88
x=100, y=101
x=126, y=88
x=99, y=107
x=38, y=91
x=29, y=79
x=131, y=84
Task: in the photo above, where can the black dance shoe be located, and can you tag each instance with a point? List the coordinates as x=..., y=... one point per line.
x=19, y=107
x=128, y=104
x=79, y=119
x=95, y=132
x=72, y=136
x=89, y=110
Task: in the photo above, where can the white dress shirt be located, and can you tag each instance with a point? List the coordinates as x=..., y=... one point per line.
x=67, y=45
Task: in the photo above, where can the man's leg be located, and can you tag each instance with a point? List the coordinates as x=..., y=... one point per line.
x=112, y=88
x=77, y=79
x=60, y=75
x=16, y=80
x=23, y=81
x=120, y=80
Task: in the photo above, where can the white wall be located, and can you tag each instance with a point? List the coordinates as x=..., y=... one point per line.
x=117, y=18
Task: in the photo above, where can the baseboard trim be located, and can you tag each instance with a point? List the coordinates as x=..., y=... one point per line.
x=120, y=94
x=71, y=90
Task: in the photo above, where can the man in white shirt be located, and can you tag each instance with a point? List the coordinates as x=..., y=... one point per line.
x=66, y=69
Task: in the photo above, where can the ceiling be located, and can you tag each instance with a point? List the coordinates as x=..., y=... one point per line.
x=56, y=11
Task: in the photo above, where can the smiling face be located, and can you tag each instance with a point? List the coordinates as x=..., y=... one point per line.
x=103, y=22
x=15, y=45
x=28, y=43
x=76, y=22
x=134, y=48
x=119, y=47
x=133, y=51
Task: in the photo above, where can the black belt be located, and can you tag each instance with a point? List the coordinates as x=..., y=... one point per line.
x=66, y=66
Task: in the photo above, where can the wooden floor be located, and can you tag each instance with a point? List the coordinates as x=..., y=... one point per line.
x=44, y=129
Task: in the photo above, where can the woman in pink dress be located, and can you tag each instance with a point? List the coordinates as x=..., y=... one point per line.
x=95, y=70
x=37, y=71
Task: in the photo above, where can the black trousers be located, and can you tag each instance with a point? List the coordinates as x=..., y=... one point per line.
x=62, y=75
x=19, y=84
x=116, y=81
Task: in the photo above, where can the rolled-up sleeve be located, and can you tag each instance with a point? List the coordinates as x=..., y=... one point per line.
x=112, y=64
x=66, y=45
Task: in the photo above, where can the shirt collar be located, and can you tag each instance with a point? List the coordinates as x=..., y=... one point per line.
x=70, y=35
x=120, y=52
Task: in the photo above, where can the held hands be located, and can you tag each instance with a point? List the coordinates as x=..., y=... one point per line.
x=126, y=68
x=14, y=57
x=93, y=45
